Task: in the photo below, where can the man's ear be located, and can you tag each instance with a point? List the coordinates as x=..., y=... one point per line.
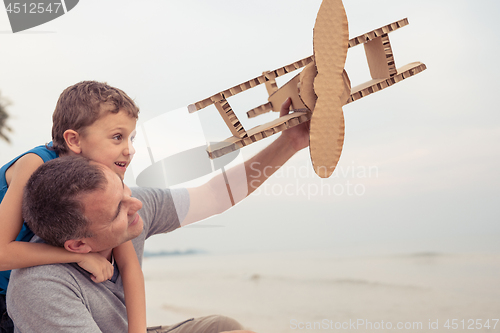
x=77, y=246
x=72, y=139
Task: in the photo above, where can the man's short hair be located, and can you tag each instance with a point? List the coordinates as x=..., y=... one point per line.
x=51, y=206
x=80, y=105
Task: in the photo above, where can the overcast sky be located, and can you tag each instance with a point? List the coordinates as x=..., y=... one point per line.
x=423, y=155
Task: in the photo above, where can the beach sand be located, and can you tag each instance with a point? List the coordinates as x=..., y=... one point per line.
x=319, y=290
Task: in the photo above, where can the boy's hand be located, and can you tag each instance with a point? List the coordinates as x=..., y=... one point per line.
x=98, y=266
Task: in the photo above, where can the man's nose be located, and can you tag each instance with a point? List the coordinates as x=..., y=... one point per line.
x=134, y=205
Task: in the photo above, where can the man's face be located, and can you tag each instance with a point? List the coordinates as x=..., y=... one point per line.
x=113, y=214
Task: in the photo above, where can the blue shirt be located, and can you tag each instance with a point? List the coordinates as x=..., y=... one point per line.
x=25, y=234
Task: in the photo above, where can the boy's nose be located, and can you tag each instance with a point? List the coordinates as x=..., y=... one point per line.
x=129, y=150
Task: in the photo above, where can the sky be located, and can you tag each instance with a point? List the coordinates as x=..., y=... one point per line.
x=419, y=167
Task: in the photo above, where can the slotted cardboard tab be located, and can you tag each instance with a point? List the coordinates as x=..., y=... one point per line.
x=232, y=122
x=380, y=57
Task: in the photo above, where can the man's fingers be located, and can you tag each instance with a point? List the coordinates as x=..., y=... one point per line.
x=285, y=107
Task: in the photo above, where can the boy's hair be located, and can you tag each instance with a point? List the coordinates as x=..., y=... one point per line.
x=51, y=206
x=82, y=104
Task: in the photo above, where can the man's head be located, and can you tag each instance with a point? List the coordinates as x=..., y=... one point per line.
x=81, y=205
x=97, y=121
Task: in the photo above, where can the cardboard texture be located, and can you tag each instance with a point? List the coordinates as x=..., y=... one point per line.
x=229, y=117
x=306, y=86
x=331, y=40
x=380, y=58
x=289, y=89
x=250, y=83
x=271, y=85
x=373, y=86
x=264, y=108
x=258, y=133
x=305, y=92
x=318, y=92
x=347, y=88
x=377, y=32
x=362, y=39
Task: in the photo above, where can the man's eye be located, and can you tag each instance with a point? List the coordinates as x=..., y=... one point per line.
x=118, y=137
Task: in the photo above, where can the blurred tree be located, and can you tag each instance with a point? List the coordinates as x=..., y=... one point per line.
x=3, y=119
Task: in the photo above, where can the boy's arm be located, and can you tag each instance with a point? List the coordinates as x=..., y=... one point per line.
x=212, y=197
x=15, y=254
x=133, y=286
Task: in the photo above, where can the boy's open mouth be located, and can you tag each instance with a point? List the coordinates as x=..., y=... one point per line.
x=120, y=164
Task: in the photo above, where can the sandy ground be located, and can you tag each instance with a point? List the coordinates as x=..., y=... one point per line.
x=318, y=291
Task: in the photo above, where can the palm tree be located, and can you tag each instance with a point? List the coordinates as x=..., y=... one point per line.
x=3, y=118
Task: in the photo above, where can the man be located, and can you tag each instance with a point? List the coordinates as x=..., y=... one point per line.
x=85, y=207
x=103, y=214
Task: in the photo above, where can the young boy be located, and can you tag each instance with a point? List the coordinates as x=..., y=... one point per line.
x=96, y=121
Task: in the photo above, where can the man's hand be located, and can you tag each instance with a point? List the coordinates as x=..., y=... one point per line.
x=297, y=136
x=98, y=266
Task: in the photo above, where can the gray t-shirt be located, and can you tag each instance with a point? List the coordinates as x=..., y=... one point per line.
x=63, y=298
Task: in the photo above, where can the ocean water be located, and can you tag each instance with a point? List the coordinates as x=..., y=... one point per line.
x=350, y=226
x=343, y=264
x=287, y=291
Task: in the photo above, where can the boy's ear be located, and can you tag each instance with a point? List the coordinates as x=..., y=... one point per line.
x=77, y=246
x=72, y=139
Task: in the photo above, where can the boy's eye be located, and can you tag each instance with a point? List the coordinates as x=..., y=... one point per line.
x=117, y=137
x=132, y=139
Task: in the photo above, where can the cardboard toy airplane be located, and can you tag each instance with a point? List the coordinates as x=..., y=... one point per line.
x=318, y=92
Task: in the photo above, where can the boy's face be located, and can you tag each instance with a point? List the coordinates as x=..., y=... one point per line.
x=109, y=141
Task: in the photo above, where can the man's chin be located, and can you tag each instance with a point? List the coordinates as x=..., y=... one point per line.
x=136, y=228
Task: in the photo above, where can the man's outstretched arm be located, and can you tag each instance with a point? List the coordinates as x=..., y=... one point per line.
x=215, y=197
